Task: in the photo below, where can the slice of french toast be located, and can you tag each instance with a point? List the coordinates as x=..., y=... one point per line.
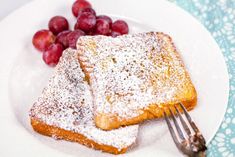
x=65, y=111
x=134, y=77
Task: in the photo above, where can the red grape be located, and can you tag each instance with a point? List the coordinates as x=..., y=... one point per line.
x=73, y=37
x=52, y=55
x=89, y=10
x=43, y=39
x=62, y=38
x=120, y=26
x=92, y=32
x=108, y=19
x=79, y=5
x=114, y=34
x=58, y=24
x=76, y=26
x=102, y=27
x=86, y=21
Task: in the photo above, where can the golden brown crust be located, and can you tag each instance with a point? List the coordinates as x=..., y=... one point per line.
x=109, y=122
x=186, y=91
x=59, y=133
x=65, y=110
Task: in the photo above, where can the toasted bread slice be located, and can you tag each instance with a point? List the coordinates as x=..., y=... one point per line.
x=133, y=77
x=65, y=111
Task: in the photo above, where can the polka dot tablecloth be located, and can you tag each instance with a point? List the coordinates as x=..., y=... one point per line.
x=218, y=16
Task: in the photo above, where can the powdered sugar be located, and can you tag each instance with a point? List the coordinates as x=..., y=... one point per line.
x=67, y=103
x=133, y=71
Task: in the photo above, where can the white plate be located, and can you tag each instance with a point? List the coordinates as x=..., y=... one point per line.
x=23, y=74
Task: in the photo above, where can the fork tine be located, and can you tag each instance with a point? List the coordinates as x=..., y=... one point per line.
x=186, y=128
x=189, y=118
x=181, y=135
x=171, y=129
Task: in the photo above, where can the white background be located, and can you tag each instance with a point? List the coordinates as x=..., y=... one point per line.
x=7, y=6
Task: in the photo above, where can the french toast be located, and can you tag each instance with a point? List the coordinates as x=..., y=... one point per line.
x=65, y=111
x=134, y=77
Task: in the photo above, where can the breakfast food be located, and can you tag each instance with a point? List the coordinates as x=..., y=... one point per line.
x=79, y=5
x=52, y=55
x=73, y=37
x=133, y=77
x=120, y=26
x=58, y=24
x=61, y=38
x=65, y=111
x=43, y=39
x=87, y=23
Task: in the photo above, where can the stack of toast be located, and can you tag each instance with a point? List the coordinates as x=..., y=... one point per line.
x=101, y=91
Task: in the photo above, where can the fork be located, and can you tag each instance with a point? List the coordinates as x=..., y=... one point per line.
x=189, y=141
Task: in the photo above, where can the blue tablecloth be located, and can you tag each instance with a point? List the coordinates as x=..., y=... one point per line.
x=218, y=16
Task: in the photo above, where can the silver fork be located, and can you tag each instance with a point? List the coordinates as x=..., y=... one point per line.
x=189, y=141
